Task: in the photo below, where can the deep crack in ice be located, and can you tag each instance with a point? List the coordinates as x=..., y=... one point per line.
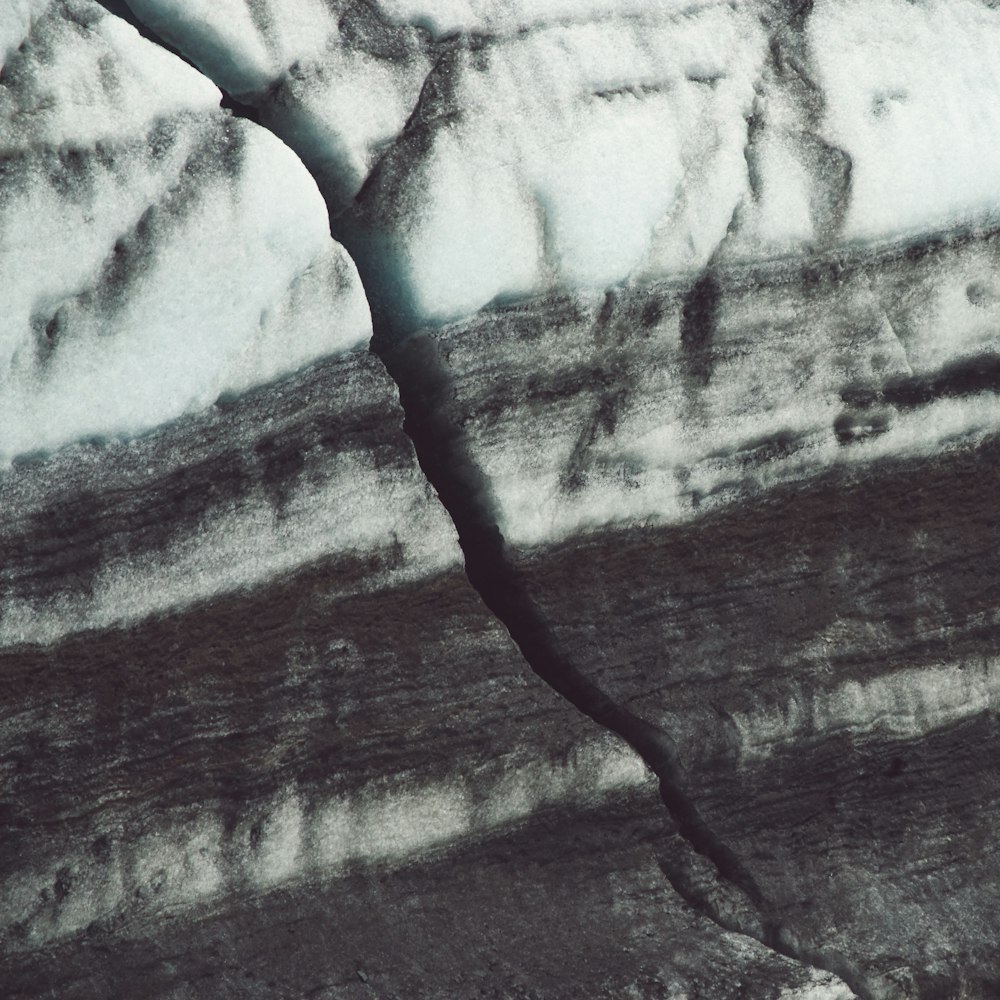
x=464, y=492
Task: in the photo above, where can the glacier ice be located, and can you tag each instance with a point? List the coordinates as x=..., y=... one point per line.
x=686, y=265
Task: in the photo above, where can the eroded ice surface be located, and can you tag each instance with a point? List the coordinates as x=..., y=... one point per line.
x=154, y=252
x=191, y=857
x=477, y=153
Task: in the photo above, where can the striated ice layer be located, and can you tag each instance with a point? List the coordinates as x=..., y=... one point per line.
x=184, y=859
x=906, y=704
x=155, y=253
x=313, y=467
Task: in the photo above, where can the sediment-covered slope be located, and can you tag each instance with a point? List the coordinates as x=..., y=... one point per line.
x=806, y=615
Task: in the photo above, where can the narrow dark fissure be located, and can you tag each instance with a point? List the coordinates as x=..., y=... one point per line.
x=424, y=386
x=438, y=441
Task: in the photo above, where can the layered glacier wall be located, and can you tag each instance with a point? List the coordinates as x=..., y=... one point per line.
x=622, y=622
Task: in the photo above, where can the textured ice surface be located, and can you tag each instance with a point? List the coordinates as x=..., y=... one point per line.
x=154, y=252
x=593, y=410
x=503, y=16
x=582, y=155
x=184, y=860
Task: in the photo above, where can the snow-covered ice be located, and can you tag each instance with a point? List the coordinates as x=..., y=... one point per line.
x=154, y=252
x=498, y=151
x=562, y=148
x=912, y=97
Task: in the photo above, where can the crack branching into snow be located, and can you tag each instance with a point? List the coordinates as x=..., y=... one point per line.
x=788, y=75
x=424, y=386
x=119, y=8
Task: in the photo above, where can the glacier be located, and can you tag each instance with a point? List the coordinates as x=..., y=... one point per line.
x=497, y=498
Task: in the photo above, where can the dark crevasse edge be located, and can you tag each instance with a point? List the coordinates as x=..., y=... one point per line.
x=463, y=491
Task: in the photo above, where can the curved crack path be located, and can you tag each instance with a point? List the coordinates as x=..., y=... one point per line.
x=464, y=492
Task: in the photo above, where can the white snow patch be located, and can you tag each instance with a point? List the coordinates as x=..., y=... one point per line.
x=822, y=986
x=781, y=218
x=584, y=154
x=15, y=24
x=181, y=865
x=911, y=92
x=445, y=17
x=219, y=35
x=278, y=855
x=593, y=770
x=340, y=114
x=243, y=46
x=75, y=87
x=153, y=252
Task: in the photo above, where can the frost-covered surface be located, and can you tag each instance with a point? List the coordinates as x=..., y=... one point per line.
x=154, y=252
